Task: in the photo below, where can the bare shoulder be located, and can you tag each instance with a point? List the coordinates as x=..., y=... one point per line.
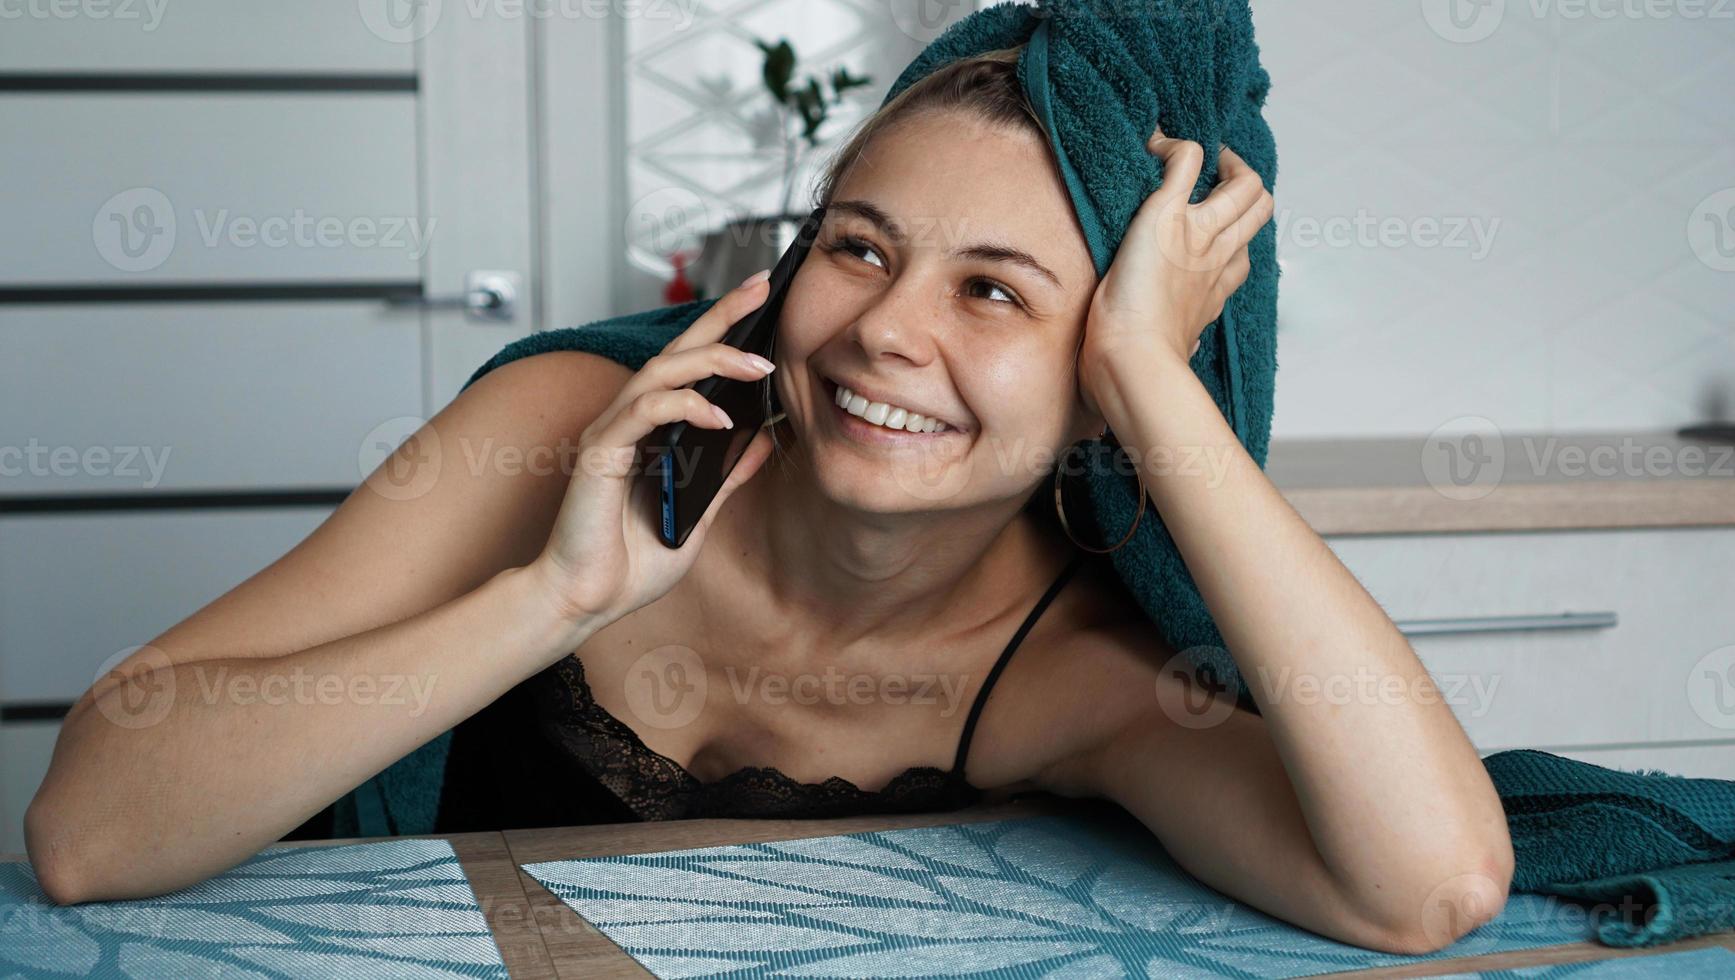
x=562, y=386
x=1096, y=667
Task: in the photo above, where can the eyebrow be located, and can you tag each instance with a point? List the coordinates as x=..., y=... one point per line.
x=986, y=251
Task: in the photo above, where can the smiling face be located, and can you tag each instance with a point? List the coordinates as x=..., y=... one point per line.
x=950, y=280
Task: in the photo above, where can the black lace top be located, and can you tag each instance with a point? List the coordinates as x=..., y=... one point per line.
x=547, y=754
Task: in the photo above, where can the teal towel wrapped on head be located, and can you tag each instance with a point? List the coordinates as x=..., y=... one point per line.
x=1103, y=75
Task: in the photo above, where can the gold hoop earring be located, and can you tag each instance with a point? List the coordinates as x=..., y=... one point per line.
x=1060, y=506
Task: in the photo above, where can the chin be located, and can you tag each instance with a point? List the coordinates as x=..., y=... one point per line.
x=889, y=483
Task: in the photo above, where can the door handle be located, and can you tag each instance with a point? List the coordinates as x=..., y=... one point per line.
x=487, y=296
x=1508, y=624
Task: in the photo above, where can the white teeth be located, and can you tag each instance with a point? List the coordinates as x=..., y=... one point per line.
x=882, y=414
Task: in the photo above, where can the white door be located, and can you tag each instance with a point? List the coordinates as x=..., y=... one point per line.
x=217, y=225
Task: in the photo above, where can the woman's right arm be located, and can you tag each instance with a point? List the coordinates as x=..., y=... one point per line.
x=239, y=723
x=432, y=590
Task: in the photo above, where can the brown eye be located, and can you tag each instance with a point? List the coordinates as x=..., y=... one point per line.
x=849, y=244
x=996, y=287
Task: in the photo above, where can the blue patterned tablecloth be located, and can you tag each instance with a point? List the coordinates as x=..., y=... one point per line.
x=399, y=908
x=1051, y=896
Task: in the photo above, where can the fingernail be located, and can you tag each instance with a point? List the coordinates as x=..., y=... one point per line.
x=761, y=363
x=760, y=276
x=722, y=416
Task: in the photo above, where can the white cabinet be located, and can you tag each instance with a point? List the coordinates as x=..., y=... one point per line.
x=77, y=589
x=25, y=749
x=1660, y=675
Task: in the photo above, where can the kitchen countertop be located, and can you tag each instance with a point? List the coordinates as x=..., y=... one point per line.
x=1510, y=482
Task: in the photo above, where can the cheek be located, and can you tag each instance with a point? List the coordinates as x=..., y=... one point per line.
x=805, y=323
x=1015, y=387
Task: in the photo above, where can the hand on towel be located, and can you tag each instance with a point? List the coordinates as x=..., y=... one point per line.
x=1179, y=262
x=603, y=558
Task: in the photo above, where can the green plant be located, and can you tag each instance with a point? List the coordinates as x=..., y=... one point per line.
x=805, y=100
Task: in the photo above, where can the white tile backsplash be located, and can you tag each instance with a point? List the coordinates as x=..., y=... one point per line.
x=1576, y=144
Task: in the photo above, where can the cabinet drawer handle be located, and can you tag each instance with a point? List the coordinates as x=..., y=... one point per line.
x=1508, y=624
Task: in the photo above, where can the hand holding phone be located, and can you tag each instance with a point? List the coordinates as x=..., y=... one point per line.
x=689, y=463
x=605, y=557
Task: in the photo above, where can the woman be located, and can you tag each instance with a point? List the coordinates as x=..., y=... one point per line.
x=949, y=281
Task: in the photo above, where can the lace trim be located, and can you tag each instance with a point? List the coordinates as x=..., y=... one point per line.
x=658, y=788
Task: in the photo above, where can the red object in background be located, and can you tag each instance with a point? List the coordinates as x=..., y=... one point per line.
x=679, y=290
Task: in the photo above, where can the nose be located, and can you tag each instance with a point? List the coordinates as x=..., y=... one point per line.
x=900, y=322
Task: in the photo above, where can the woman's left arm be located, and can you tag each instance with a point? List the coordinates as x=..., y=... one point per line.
x=1398, y=805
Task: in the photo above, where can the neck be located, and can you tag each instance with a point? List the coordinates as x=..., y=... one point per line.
x=848, y=574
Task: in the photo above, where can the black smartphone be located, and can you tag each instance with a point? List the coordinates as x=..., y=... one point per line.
x=689, y=463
